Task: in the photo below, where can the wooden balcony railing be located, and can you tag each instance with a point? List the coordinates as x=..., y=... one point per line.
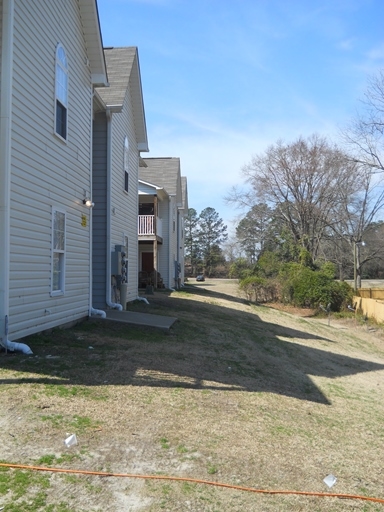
x=147, y=226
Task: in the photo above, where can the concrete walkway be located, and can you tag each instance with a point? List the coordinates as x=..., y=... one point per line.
x=144, y=319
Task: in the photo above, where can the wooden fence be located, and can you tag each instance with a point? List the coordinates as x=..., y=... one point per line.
x=371, y=303
x=372, y=293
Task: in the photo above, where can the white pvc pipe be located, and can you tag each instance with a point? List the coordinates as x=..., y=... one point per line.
x=5, y=160
x=143, y=299
x=110, y=304
x=98, y=312
x=21, y=347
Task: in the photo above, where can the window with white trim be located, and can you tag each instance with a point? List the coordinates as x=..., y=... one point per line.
x=58, y=252
x=126, y=164
x=61, y=93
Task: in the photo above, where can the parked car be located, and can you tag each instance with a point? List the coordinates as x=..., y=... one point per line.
x=200, y=277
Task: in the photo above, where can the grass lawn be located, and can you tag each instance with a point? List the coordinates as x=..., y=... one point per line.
x=235, y=393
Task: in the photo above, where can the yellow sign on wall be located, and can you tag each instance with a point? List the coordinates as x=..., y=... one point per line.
x=83, y=220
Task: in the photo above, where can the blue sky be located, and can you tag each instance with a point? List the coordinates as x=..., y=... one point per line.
x=224, y=79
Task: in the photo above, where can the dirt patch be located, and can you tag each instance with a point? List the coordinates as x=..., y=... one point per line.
x=302, y=312
x=234, y=393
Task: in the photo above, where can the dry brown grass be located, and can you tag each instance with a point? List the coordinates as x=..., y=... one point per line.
x=235, y=393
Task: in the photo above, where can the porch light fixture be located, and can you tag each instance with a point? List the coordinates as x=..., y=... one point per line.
x=88, y=203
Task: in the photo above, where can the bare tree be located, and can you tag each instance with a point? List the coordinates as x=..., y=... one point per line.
x=364, y=134
x=361, y=199
x=300, y=182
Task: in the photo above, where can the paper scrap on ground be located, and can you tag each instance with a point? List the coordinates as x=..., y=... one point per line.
x=330, y=480
x=71, y=441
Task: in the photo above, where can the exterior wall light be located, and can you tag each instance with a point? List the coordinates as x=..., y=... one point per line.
x=88, y=203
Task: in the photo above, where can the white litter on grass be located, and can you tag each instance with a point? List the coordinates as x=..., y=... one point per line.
x=71, y=441
x=330, y=480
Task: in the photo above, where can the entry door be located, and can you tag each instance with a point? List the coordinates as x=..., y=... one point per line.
x=147, y=261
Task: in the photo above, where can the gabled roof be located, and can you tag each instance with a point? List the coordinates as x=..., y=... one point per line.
x=124, y=74
x=164, y=172
x=155, y=189
x=92, y=33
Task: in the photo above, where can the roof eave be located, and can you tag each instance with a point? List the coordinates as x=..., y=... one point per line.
x=92, y=33
x=137, y=93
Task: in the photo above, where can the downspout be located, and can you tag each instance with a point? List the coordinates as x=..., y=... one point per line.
x=178, y=248
x=5, y=173
x=92, y=311
x=110, y=304
x=171, y=266
x=5, y=164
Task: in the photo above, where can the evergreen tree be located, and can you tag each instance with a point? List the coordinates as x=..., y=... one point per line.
x=211, y=233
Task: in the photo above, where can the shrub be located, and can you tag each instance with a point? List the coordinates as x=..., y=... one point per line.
x=239, y=269
x=309, y=288
x=258, y=289
x=269, y=264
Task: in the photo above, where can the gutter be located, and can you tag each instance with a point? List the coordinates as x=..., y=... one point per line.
x=110, y=304
x=92, y=311
x=171, y=263
x=5, y=163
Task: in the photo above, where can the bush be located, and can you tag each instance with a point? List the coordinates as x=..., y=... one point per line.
x=269, y=264
x=239, y=269
x=258, y=289
x=309, y=288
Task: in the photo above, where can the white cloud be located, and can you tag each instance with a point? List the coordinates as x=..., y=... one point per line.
x=346, y=44
x=213, y=156
x=376, y=53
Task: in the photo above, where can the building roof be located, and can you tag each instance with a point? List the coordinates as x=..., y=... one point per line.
x=163, y=172
x=124, y=74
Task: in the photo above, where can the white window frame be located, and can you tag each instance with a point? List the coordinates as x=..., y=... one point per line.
x=126, y=165
x=60, y=252
x=61, y=89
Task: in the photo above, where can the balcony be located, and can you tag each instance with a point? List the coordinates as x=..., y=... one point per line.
x=150, y=228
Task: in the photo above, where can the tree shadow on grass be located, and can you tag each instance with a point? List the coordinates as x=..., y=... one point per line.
x=205, y=291
x=210, y=347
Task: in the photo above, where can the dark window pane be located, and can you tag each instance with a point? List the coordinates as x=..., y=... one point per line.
x=61, y=120
x=126, y=181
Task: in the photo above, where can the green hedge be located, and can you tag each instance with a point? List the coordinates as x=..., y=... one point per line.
x=305, y=287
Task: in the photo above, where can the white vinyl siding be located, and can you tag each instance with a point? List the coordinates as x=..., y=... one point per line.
x=125, y=204
x=172, y=241
x=46, y=172
x=163, y=249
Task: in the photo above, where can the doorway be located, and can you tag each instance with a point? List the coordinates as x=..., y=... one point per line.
x=147, y=262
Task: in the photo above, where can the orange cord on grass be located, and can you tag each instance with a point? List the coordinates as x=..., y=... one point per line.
x=194, y=480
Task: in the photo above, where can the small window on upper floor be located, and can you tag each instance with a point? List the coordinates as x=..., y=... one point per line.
x=126, y=164
x=61, y=93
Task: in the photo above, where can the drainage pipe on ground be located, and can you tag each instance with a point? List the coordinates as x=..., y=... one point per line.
x=20, y=347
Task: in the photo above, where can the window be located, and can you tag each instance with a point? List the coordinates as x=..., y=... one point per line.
x=126, y=164
x=61, y=93
x=58, y=252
